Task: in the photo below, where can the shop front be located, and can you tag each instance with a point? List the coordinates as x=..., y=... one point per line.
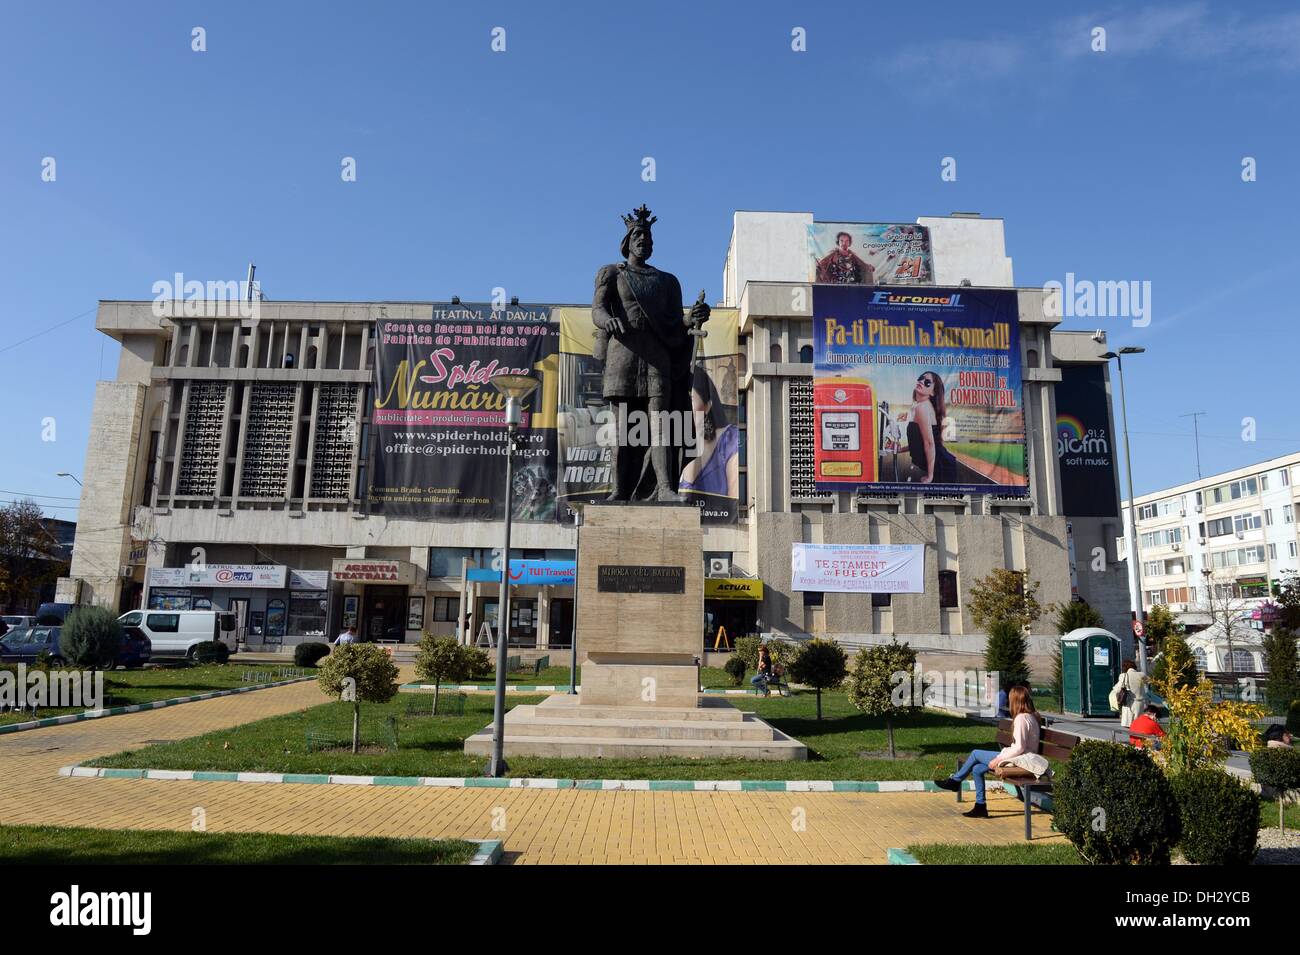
x=384, y=599
x=274, y=605
x=541, y=602
x=730, y=610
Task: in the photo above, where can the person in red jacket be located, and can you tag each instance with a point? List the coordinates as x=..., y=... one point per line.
x=1145, y=723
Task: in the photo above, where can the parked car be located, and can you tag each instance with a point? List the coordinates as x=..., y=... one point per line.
x=53, y=614
x=18, y=621
x=175, y=633
x=25, y=645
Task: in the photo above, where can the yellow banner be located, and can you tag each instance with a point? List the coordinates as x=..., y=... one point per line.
x=732, y=588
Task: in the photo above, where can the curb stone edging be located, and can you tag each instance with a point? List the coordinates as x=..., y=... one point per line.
x=489, y=852
x=140, y=707
x=521, y=782
x=901, y=857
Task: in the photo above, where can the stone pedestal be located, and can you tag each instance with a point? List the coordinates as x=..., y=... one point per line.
x=640, y=605
x=640, y=615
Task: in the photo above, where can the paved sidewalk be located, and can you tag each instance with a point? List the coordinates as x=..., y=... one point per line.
x=537, y=825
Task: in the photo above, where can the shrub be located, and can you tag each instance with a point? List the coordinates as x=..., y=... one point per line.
x=1219, y=817
x=1005, y=654
x=1278, y=768
x=480, y=661
x=1293, y=717
x=1115, y=805
x=736, y=669
x=309, y=654
x=442, y=659
x=211, y=651
x=747, y=650
x=821, y=664
x=1200, y=729
x=874, y=687
x=91, y=638
x=357, y=672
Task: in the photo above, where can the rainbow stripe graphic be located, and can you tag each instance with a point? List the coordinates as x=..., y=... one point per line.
x=1070, y=425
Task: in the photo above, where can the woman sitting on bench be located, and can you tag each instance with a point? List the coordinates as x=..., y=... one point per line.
x=1024, y=739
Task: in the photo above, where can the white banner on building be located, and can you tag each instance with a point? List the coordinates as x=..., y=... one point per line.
x=858, y=568
x=219, y=575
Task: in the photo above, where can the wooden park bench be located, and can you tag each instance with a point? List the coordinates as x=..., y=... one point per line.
x=1053, y=744
x=777, y=681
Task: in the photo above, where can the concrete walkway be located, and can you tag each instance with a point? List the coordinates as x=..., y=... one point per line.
x=537, y=826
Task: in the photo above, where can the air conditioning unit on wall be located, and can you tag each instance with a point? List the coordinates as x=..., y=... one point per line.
x=719, y=567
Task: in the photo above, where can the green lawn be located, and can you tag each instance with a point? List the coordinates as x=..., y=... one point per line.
x=433, y=746
x=710, y=677
x=127, y=687
x=1057, y=853
x=51, y=845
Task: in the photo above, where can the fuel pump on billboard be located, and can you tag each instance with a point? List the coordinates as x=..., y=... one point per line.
x=846, y=431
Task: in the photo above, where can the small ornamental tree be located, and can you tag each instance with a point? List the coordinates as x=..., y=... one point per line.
x=1160, y=624
x=1004, y=595
x=357, y=672
x=91, y=638
x=736, y=669
x=1278, y=768
x=747, y=650
x=821, y=664
x=1200, y=729
x=439, y=659
x=1005, y=654
x=1283, y=668
x=880, y=683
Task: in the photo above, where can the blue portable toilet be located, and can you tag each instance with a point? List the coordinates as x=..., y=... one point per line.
x=1089, y=668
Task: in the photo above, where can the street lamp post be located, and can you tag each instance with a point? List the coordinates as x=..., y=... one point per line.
x=73, y=476
x=515, y=388
x=1135, y=553
x=576, y=507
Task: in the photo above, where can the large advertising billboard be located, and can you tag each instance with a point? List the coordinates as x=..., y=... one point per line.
x=1085, y=450
x=858, y=568
x=438, y=423
x=869, y=253
x=589, y=429
x=918, y=391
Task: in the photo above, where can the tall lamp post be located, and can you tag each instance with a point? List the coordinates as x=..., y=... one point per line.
x=576, y=507
x=515, y=388
x=1135, y=554
x=73, y=476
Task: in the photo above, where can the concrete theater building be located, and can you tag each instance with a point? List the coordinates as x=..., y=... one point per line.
x=229, y=462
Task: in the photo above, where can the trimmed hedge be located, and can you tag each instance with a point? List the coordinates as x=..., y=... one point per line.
x=1116, y=806
x=211, y=651
x=309, y=654
x=736, y=669
x=1219, y=816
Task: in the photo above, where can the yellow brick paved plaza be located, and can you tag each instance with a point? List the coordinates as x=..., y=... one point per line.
x=540, y=826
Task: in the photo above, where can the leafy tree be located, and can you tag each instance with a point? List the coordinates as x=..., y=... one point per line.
x=1160, y=623
x=1005, y=654
x=357, y=672
x=442, y=659
x=1176, y=664
x=1200, y=730
x=29, y=554
x=91, y=638
x=821, y=664
x=874, y=680
x=1004, y=595
x=1283, y=663
x=747, y=650
x=1288, y=601
x=1277, y=767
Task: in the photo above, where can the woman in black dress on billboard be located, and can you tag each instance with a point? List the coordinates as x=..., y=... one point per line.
x=932, y=463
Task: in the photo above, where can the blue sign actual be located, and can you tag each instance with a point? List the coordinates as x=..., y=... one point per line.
x=556, y=573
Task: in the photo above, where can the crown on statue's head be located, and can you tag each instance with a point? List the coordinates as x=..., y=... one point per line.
x=639, y=219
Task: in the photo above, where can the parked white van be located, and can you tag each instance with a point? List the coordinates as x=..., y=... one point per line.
x=175, y=633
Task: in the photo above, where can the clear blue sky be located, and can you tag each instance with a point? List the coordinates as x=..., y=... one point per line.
x=478, y=169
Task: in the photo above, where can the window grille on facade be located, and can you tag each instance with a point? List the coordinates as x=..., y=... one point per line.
x=336, y=424
x=268, y=440
x=803, y=473
x=201, y=450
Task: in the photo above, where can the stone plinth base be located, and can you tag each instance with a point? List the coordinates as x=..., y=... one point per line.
x=640, y=684
x=561, y=728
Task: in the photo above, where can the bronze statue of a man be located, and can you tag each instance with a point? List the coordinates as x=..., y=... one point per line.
x=647, y=342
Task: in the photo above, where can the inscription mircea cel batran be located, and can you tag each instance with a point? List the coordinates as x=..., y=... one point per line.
x=640, y=579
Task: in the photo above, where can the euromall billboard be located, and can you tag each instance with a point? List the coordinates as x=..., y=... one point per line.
x=918, y=390
x=1085, y=449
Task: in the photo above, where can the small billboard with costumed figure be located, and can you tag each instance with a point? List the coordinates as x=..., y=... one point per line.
x=918, y=391
x=869, y=253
